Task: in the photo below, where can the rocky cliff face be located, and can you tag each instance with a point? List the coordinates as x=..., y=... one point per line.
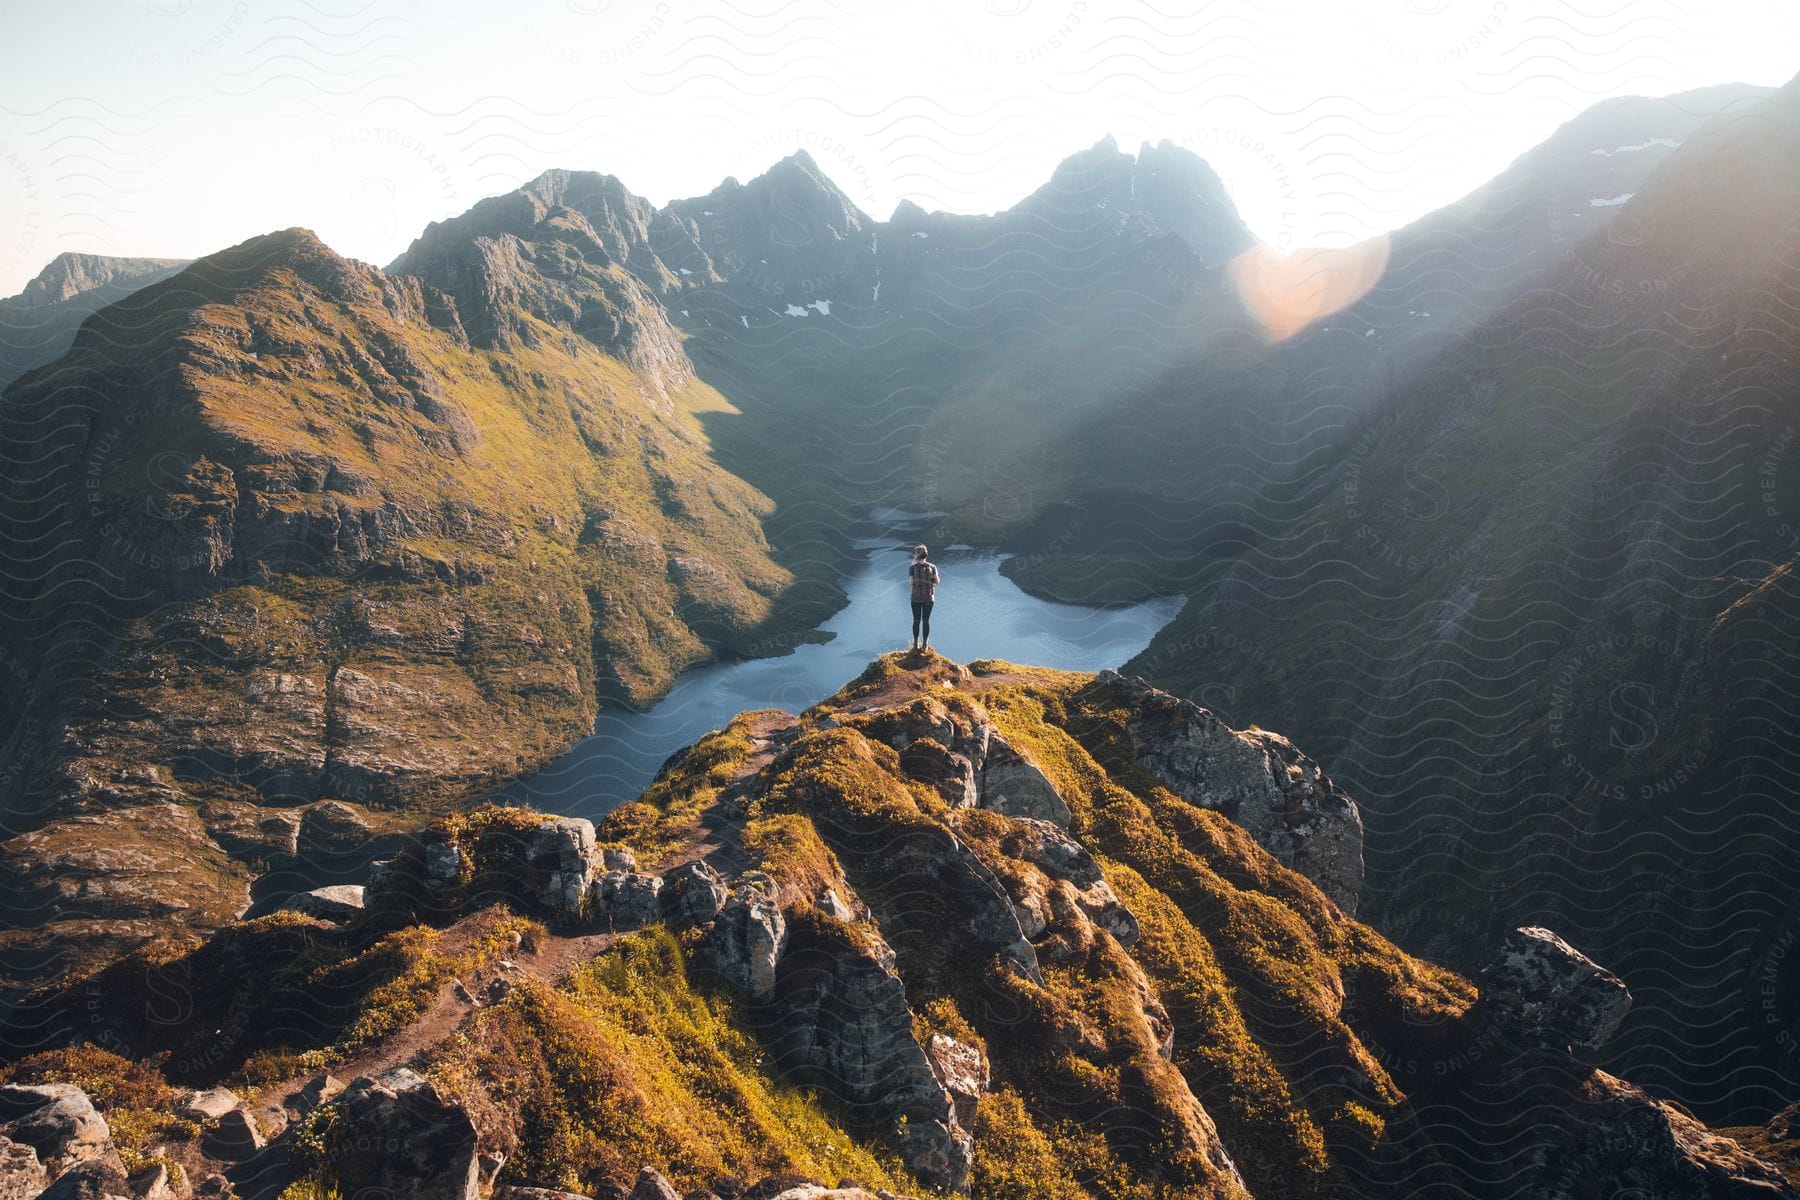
x=305, y=537
x=1539, y=619
x=801, y=960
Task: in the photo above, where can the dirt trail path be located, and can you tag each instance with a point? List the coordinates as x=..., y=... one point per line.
x=715, y=837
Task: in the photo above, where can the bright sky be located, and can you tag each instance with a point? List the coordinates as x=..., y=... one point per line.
x=176, y=127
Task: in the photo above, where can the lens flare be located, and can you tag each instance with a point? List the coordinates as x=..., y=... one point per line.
x=1286, y=293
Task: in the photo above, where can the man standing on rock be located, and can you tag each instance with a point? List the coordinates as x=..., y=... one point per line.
x=924, y=578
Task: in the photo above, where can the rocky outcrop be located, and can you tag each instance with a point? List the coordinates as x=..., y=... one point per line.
x=1620, y=1140
x=408, y=1141
x=22, y=1174
x=948, y=773
x=57, y=1121
x=746, y=940
x=100, y=1179
x=340, y=902
x=1012, y=784
x=1258, y=779
x=561, y=852
x=843, y=1023
x=955, y=985
x=54, y=1144
x=1063, y=860
x=623, y=900
x=692, y=894
x=653, y=1185
x=1544, y=990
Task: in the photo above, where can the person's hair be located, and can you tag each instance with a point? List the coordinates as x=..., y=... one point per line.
x=920, y=551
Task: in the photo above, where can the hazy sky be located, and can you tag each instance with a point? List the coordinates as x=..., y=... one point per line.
x=176, y=127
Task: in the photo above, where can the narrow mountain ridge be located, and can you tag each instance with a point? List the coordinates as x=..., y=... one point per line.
x=992, y=930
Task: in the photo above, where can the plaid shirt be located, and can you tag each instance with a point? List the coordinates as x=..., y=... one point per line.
x=924, y=582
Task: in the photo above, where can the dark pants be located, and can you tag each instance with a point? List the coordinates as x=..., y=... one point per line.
x=921, y=620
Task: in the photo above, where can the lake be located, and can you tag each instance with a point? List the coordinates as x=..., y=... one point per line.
x=979, y=614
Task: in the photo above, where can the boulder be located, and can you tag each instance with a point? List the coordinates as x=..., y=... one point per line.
x=961, y=1070
x=208, y=1105
x=1544, y=990
x=315, y=1092
x=946, y=772
x=1012, y=784
x=407, y=1143
x=618, y=858
x=338, y=903
x=57, y=1120
x=624, y=900
x=152, y=1183
x=1259, y=779
x=652, y=1186
x=1616, y=1140
x=22, y=1174
x=562, y=849
x=746, y=939
x=96, y=1179
x=692, y=894
x=233, y=1137
x=784, y=1183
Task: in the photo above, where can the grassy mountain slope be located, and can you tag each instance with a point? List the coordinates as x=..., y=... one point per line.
x=1540, y=615
x=285, y=534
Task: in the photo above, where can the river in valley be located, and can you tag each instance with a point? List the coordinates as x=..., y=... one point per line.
x=980, y=614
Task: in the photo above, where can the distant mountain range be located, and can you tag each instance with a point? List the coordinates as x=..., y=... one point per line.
x=38, y=324
x=1506, y=543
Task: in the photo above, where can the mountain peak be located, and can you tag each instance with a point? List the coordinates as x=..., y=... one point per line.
x=801, y=173
x=1164, y=189
x=801, y=158
x=71, y=273
x=783, y=219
